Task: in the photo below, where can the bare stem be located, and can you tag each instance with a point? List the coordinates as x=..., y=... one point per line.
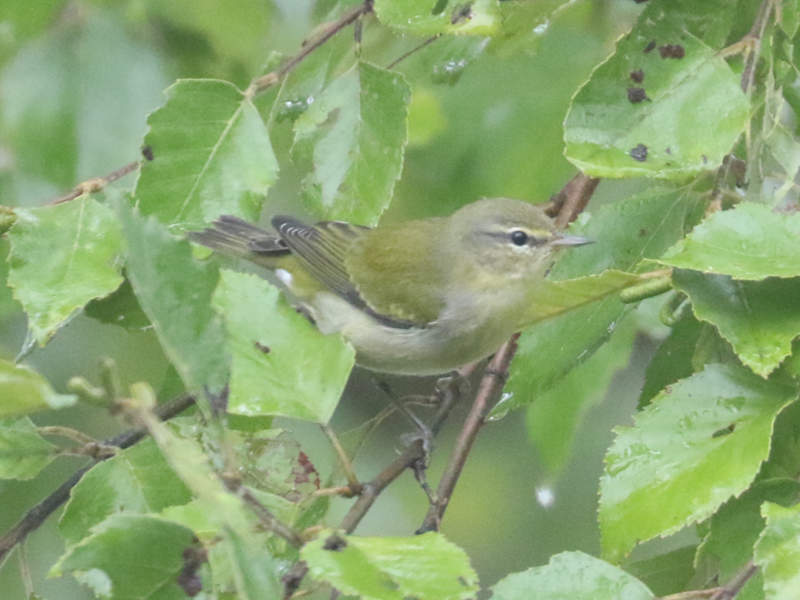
x=353, y=484
x=492, y=382
x=264, y=82
x=96, y=184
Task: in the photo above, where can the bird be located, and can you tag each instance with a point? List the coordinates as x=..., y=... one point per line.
x=420, y=297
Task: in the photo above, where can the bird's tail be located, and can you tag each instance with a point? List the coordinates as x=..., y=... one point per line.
x=231, y=235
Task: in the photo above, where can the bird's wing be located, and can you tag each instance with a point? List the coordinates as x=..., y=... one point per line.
x=371, y=269
x=395, y=271
x=322, y=249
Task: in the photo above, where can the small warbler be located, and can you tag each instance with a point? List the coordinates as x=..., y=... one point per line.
x=421, y=297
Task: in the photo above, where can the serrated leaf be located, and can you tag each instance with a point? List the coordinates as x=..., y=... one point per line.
x=175, y=293
x=79, y=261
x=673, y=359
x=553, y=420
x=129, y=557
x=254, y=569
x=573, y=576
x=759, y=318
x=736, y=526
x=664, y=105
x=427, y=566
x=431, y=17
x=667, y=573
x=654, y=220
x=701, y=441
x=354, y=135
x=120, y=308
x=777, y=551
x=281, y=364
x=23, y=391
x=748, y=242
x=211, y=156
x=137, y=479
x=23, y=452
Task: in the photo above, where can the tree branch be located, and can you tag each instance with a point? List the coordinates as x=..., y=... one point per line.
x=39, y=513
x=96, y=184
x=494, y=377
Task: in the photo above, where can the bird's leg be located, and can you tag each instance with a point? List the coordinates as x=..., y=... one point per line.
x=425, y=432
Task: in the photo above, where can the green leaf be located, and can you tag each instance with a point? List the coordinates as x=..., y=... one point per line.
x=211, y=156
x=701, y=441
x=354, y=134
x=121, y=308
x=23, y=391
x=654, y=220
x=553, y=419
x=431, y=17
x=281, y=364
x=777, y=551
x=673, y=359
x=572, y=576
x=667, y=573
x=759, y=318
x=254, y=569
x=79, y=261
x=748, y=242
x=664, y=105
x=175, y=293
x=224, y=510
x=129, y=557
x=63, y=130
x=736, y=526
x=135, y=480
x=427, y=566
x=23, y=452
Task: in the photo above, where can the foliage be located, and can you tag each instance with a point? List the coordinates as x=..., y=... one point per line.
x=390, y=111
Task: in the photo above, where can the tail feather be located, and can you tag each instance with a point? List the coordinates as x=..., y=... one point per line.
x=232, y=235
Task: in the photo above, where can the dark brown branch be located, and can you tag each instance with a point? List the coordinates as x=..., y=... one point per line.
x=728, y=591
x=416, y=48
x=753, y=41
x=735, y=585
x=573, y=198
x=270, y=521
x=494, y=377
x=37, y=515
x=96, y=184
x=266, y=81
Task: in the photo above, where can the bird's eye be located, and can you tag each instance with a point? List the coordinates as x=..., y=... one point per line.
x=519, y=237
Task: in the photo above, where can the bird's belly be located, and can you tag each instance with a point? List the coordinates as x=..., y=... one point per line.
x=436, y=348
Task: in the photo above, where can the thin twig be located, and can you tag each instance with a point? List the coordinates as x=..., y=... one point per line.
x=96, y=184
x=416, y=48
x=268, y=520
x=492, y=382
x=731, y=589
x=753, y=38
x=264, y=82
x=37, y=515
x=352, y=479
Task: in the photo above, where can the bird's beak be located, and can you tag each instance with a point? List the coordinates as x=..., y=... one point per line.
x=571, y=240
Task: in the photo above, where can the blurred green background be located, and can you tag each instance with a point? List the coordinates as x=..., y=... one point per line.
x=77, y=79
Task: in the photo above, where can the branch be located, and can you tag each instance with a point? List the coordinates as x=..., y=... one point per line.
x=264, y=82
x=39, y=513
x=728, y=591
x=753, y=41
x=494, y=377
x=573, y=198
x=96, y=184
